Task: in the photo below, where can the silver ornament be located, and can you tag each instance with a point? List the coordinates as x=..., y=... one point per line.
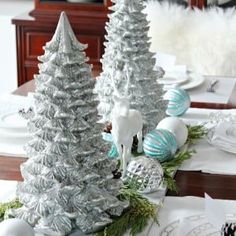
x=147, y=172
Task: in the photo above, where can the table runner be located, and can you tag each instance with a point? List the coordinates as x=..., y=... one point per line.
x=7, y=190
x=208, y=159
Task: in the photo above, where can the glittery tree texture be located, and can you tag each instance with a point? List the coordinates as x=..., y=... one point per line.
x=68, y=181
x=127, y=55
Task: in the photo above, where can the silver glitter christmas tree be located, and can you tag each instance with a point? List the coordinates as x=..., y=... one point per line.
x=127, y=55
x=68, y=181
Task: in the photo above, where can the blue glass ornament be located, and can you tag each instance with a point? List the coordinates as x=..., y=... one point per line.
x=179, y=101
x=107, y=137
x=160, y=144
x=113, y=153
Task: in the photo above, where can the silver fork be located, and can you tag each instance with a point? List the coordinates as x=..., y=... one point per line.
x=211, y=87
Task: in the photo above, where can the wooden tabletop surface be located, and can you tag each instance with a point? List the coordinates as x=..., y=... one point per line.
x=189, y=182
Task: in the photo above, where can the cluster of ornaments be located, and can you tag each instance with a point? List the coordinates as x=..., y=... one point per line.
x=159, y=145
x=162, y=143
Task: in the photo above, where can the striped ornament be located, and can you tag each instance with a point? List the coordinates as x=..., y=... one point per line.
x=179, y=101
x=160, y=144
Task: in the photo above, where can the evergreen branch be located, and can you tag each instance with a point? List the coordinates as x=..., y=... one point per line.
x=9, y=205
x=136, y=218
x=178, y=159
x=195, y=133
x=170, y=182
x=169, y=167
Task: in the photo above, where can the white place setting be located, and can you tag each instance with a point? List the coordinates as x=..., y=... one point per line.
x=193, y=216
x=214, y=89
x=215, y=153
x=222, y=90
x=13, y=127
x=176, y=75
x=223, y=137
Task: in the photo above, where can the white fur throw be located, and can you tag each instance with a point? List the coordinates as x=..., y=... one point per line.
x=204, y=40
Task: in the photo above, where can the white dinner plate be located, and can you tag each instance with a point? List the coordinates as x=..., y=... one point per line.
x=170, y=79
x=12, y=120
x=11, y=134
x=194, y=81
x=201, y=227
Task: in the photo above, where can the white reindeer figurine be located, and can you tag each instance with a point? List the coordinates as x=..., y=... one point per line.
x=126, y=123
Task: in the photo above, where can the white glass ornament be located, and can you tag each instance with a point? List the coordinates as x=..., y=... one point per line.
x=160, y=144
x=177, y=127
x=147, y=172
x=15, y=227
x=179, y=101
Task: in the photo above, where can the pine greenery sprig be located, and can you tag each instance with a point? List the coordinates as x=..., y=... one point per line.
x=136, y=218
x=169, y=167
x=9, y=205
x=195, y=132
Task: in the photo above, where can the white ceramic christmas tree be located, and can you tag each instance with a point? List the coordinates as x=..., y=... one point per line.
x=127, y=55
x=68, y=181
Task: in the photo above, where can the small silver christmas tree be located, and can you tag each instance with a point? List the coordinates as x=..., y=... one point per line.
x=127, y=55
x=68, y=181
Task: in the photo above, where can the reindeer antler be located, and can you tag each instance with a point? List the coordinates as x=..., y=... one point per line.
x=128, y=74
x=116, y=91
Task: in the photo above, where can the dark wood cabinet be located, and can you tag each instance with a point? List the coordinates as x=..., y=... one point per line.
x=35, y=28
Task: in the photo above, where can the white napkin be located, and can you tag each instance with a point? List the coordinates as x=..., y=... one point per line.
x=223, y=90
x=176, y=71
x=180, y=215
x=167, y=62
x=215, y=212
x=208, y=158
x=196, y=116
x=222, y=139
x=164, y=60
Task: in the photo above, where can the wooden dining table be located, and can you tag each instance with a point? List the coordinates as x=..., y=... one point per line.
x=194, y=183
